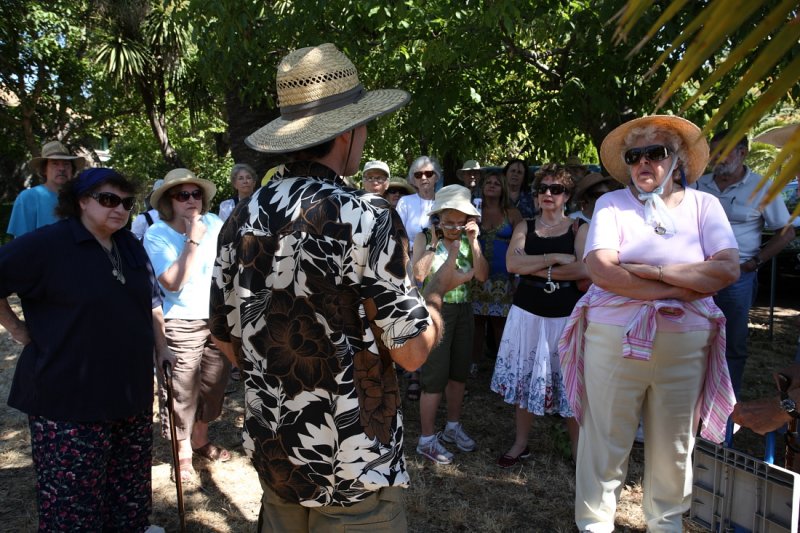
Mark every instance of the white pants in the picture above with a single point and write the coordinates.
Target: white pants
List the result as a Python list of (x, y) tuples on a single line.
[(664, 392)]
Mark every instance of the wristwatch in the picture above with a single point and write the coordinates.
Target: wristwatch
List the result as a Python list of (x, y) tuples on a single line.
[(787, 404), (430, 248)]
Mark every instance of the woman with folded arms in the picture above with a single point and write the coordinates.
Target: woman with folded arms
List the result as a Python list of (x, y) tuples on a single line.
[(542, 251), (652, 337)]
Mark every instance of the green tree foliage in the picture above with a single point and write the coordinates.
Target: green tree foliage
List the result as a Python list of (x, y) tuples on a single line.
[(489, 79), (45, 77)]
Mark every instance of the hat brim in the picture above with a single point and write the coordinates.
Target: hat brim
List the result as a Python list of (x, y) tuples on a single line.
[(697, 150), (589, 181), (282, 136), (777, 136), (209, 189), (464, 207), (405, 186), (37, 163)]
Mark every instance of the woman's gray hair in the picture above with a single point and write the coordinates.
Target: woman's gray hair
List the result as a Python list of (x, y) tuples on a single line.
[(423, 161), (242, 166), (647, 134)]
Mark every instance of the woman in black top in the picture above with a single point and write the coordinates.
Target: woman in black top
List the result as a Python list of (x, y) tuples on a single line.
[(543, 251), (85, 376)]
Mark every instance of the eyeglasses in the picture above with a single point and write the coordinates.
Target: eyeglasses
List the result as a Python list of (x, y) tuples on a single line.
[(427, 173), (376, 179), (183, 196), (394, 191), (554, 188), (654, 152), (452, 228), (111, 200)]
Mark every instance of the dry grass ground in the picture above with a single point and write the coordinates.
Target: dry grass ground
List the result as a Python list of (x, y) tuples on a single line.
[(470, 495)]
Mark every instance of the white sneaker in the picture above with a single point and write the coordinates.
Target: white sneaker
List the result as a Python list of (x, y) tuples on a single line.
[(434, 451), (458, 436)]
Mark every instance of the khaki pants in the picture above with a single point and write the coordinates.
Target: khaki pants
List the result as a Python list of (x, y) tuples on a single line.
[(664, 391), (383, 511)]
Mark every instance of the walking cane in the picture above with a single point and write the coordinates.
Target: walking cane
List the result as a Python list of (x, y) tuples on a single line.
[(176, 463)]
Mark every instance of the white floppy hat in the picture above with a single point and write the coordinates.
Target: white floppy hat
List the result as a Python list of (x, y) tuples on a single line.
[(55, 150), (179, 176), (697, 151), (320, 97), (455, 197), (377, 165)]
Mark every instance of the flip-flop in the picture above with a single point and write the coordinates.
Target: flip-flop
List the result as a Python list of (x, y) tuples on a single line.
[(213, 453)]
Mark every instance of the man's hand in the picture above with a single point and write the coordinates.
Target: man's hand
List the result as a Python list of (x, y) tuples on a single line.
[(165, 355), (762, 416)]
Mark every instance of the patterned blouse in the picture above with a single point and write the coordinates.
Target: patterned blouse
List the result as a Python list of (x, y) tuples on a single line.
[(310, 287)]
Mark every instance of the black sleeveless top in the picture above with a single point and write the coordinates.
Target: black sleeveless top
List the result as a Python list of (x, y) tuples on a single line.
[(530, 294)]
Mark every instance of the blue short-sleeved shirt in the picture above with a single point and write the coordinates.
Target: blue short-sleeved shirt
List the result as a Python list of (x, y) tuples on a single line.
[(164, 245), (32, 209), (91, 357)]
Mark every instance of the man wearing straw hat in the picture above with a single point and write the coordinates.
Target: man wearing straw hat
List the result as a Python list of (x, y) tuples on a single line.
[(35, 207), (311, 294), (736, 186)]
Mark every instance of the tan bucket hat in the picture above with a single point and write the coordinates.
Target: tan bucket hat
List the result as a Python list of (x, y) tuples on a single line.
[(55, 150), (470, 164), (179, 176), (320, 97), (590, 180), (613, 146), (400, 183), (455, 197)]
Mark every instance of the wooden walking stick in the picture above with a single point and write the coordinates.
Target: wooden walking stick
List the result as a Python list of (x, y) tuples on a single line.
[(176, 463)]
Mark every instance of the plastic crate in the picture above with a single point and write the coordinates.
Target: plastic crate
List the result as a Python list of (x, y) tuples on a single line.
[(737, 493)]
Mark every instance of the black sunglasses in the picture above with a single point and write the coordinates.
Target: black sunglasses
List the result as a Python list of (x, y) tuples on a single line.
[(183, 196), (427, 173), (395, 191), (111, 200), (654, 152), (554, 188)]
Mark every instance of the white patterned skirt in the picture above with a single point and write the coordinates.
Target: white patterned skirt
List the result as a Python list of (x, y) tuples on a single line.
[(528, 372)]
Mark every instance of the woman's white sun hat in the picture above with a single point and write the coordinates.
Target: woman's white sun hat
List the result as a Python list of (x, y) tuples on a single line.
[(320, 97), (455, 197)]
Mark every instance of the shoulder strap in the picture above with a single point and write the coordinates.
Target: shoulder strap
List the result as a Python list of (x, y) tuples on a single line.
[(148, 218)]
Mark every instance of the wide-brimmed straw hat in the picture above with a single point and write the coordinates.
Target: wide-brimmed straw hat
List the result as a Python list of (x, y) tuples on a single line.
[(55, 150), (400, 183), (470, 164), (455, 197), (320, 97), (696, 146), (179, 176), (590, 180)]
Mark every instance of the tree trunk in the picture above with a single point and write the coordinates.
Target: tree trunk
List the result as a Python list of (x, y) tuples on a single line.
[(159, 126), (242, 121)]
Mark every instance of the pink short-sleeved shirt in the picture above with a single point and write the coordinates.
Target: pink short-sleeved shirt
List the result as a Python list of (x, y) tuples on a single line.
[(702, 230)]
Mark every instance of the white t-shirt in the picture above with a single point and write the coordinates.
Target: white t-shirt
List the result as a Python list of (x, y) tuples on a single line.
[(413, 211), (140, 225)]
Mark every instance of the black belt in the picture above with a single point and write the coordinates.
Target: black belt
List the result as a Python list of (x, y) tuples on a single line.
[(545, 284)]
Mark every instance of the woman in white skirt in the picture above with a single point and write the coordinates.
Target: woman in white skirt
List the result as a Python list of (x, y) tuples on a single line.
[(542, 251)]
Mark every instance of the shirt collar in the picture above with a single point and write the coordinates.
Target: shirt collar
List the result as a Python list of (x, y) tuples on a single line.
[(312, 169)]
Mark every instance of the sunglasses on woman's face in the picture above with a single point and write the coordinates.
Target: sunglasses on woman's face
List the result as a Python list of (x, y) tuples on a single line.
[(183, 196), (394, 191), (111, 200), (654, 152), (427, 173), (554, 188)]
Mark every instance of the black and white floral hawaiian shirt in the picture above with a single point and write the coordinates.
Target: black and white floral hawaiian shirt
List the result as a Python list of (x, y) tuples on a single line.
[(310, 286)]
